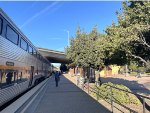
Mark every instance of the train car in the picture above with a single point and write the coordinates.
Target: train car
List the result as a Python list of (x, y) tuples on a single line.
[(21, 65)]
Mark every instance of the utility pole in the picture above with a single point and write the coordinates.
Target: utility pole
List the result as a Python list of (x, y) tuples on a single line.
[(68, 35)]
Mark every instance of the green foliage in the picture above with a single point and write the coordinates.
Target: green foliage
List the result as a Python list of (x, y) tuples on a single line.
[(83, 49), (148, 68), (131, 34), (133, 66), (142, 69), (123, 42), (118, 95)]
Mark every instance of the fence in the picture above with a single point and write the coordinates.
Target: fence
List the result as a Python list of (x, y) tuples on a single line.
[(111, 98)]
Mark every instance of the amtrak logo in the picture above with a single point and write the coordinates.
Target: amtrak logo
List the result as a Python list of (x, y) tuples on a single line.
[(10, 63)]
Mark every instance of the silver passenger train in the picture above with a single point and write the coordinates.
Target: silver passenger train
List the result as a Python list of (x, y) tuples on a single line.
[(21, 65)]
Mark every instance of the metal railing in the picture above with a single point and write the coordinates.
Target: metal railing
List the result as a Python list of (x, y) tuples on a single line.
[(111, 98)]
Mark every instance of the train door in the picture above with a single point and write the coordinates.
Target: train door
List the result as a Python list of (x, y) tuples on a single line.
[(31, 75), (1, 78)]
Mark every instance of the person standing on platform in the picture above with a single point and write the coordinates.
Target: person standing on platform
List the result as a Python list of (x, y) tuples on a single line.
[(57, 78)]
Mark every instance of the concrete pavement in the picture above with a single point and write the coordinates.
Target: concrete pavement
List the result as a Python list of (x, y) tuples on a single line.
[(66, 98), (137, 85)]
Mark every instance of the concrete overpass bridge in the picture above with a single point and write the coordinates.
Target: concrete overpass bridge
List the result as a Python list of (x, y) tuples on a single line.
[(54, 56)]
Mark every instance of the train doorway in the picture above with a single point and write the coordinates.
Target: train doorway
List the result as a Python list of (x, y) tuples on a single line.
[(31, 75)]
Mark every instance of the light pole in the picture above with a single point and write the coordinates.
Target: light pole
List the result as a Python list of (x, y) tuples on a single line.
[(68, 35)]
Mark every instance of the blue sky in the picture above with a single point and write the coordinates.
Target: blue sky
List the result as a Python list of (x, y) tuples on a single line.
[(44, 23)]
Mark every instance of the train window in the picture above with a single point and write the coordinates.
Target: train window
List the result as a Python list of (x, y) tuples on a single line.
[(30, 50), (12, 35), (1, 25), (23, 44), (34, 52), (42, 59), (3, 79), (38, 55), (0, 79), (8, 78), (20, 76)]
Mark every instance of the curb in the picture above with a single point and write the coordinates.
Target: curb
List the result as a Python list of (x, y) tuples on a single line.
[(22, 100)]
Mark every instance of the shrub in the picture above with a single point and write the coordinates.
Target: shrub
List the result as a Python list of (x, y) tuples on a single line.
[(118, 96)]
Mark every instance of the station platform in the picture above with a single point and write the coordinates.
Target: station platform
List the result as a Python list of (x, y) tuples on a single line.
[(66, 98)]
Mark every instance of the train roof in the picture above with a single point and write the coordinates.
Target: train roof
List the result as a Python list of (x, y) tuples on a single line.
[(15, 26)]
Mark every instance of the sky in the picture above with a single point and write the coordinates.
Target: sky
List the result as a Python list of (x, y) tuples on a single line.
[(48, 24)]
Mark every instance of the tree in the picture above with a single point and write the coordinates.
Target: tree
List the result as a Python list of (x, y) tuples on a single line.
[(131, 35), (83, 50), (123, 42)]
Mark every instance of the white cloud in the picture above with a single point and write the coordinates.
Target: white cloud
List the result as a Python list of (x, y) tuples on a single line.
[(39, 14)]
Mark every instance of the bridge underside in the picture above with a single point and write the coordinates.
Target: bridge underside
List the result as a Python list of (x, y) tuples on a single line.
[(57, 60), (54, 56)]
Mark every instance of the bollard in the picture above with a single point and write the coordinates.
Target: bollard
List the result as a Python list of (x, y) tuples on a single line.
[(77, 80), (111, 98), (143, 105), (97, 93), (88, 86), (98, 83), (83, 86), (82, 83)]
